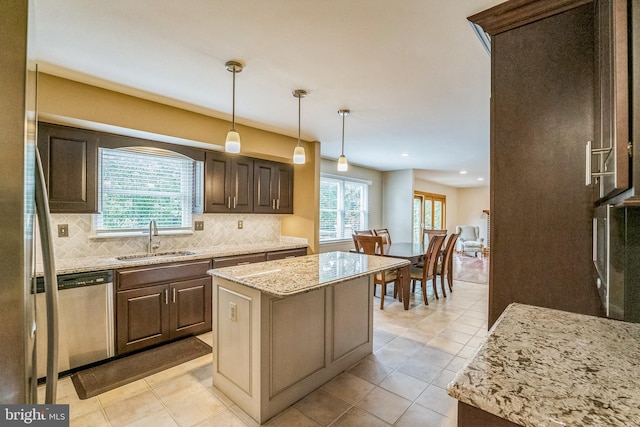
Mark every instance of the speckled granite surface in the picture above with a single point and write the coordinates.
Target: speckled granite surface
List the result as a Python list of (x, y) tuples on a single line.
[(543, 367), (296, 275), (78, 265)]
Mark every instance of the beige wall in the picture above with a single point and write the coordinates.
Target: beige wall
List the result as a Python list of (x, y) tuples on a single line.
[(70, 100), (397, 190)]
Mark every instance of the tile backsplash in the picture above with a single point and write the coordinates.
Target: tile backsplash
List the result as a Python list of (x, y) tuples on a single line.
[(219, 229)]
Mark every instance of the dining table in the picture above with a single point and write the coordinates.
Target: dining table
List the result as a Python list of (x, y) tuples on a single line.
[(414, 252)]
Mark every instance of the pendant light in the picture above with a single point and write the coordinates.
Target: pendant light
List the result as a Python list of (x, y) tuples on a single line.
[(232, 145), (298, 153), (343, 165)]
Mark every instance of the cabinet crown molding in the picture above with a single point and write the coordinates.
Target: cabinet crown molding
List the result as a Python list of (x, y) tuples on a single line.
[(516, 13)]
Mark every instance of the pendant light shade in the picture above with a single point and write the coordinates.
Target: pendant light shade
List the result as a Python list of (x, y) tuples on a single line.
[(299, 157), (232, 144), (343, 165)]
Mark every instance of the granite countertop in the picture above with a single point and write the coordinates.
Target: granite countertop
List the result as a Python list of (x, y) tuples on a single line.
[(292, 276), (543, 367), (79, 265)]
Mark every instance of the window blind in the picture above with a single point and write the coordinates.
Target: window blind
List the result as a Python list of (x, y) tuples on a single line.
[(344, 207), (136, 186)]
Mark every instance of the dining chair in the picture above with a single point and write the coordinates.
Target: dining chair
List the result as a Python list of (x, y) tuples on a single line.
[(364, 232), (384, 232), (374, 245), (428, 233), (428, 270), (445, 266)]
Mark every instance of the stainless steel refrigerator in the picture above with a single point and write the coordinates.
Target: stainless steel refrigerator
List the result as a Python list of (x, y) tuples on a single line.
[(18, 193)]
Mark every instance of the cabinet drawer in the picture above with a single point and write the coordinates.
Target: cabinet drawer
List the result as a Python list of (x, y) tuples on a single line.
[(230, 261), (290, 253), (135, 277)]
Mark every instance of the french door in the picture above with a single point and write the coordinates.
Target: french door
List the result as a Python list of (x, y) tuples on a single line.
[(428, 212)]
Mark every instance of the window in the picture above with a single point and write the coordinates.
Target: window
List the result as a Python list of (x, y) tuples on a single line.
[(344, 207), (137, 185), (428, 212)]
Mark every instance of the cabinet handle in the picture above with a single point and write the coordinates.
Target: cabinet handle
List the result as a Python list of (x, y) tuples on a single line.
[(243, 263), (229, 202), (174, 296), (273, 203), (166, 296), (234, 202), (290, 256), (587, 166), (277, 203)]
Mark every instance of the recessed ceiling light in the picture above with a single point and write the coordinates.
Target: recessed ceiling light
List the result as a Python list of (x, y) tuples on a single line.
[(480, 179), (405, 154), (463, 172)]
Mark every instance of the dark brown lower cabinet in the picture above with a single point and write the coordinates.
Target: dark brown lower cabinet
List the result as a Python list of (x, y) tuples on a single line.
[(159, 303), (155, 314)]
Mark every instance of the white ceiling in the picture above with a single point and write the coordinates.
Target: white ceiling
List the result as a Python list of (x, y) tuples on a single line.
[(412, 72)]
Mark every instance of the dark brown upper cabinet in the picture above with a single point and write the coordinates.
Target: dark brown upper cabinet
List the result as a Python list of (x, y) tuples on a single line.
[(273, 187), (543, 87), (610, 159), (70, 164), (228, 183)]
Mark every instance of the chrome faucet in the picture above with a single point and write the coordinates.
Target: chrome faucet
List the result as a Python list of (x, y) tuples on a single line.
[(153, 231)]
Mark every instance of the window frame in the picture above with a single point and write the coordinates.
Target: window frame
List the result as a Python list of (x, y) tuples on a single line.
[(340, 207), (425, 198), (195, 200)]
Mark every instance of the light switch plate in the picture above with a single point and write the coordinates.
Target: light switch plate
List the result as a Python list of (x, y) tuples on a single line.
[(240, 224), (198, 225), (233, 312), (63, 230)]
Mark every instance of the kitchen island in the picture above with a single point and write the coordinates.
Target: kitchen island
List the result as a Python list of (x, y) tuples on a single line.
[(283, 328), (544, 367)]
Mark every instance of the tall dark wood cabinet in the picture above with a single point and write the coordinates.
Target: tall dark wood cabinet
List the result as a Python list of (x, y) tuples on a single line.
[(228, 183), (70, 166), (542, 115), (273, 187)]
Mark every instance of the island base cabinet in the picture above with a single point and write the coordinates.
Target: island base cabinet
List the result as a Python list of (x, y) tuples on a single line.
[(270, 352)]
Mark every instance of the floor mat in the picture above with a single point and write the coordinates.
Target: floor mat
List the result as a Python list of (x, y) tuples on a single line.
[(116, 373)]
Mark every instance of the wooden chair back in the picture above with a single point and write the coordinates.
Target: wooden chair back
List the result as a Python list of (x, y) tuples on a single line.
[(428, 234), (370, 245), (447, 260), (364, 232), (383, 232), (431, 257)]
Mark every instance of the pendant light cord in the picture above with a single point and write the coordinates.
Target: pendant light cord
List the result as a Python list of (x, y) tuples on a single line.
[(343, 133), (299, 120), (233, 102)]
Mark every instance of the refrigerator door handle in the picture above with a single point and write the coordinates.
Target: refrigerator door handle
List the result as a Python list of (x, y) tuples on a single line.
[(50, 281)]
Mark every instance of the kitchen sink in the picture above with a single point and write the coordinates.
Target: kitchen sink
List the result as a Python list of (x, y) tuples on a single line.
[(154, 255)]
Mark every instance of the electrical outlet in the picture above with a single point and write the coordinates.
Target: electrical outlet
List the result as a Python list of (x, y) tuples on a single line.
[(199, 225), (233, 312), (240, 225), (63, 230)]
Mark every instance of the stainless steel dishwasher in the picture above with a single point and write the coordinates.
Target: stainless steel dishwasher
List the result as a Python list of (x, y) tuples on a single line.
[(86, 321)]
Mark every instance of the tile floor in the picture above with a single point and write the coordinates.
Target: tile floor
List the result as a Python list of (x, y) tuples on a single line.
[(416, 354)]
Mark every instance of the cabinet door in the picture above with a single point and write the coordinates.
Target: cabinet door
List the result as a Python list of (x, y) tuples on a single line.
[(241, 182), (142, 318), (228, 183), (216, 185), (69, 159), (541, 211), (284, 188), (289, 253), (611, 137), (273, 187), (190, 307)]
